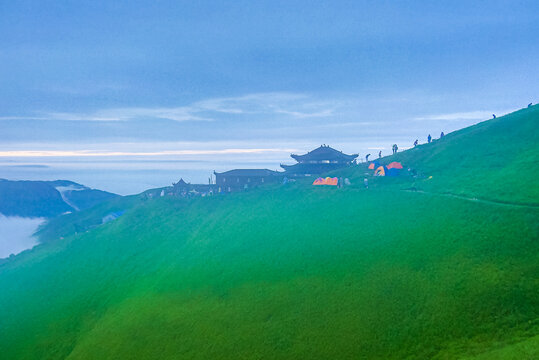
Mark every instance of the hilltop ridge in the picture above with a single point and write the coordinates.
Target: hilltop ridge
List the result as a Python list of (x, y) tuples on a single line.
[(47, 198), (296, 271)]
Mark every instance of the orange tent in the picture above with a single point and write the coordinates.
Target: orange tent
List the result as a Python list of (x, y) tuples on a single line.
[(326, 181), (371, 166), (380, 171), (394, 165)]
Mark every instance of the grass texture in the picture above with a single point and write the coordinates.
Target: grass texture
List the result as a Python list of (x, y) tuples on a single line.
[(301, 272)]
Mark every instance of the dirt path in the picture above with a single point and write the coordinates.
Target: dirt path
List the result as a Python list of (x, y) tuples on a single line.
[(492, 202)]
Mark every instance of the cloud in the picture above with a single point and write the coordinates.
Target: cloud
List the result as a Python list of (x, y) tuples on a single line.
[(303, 115), (457, 116), (126, 114), (94, 153), (292, 105), (23, 118)]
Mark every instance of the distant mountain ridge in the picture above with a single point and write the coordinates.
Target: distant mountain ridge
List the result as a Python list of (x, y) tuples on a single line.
[(47, 198)]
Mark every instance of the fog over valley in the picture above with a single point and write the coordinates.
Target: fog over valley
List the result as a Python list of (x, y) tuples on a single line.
[(16, 234)]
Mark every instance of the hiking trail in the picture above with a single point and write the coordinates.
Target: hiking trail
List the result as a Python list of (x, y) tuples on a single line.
[(474, 199)]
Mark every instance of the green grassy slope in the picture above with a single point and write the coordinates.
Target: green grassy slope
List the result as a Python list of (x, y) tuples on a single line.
[(79, 222), (292, 272), (493, 160)]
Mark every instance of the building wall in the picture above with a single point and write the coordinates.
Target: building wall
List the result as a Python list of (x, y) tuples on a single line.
[(236, 183)]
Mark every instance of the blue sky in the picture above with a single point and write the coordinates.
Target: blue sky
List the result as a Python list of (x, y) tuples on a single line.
[(129, 77)]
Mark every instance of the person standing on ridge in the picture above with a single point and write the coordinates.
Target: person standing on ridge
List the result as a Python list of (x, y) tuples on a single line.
[(416, 142), (380, 154), (493, 116), (429, 139), (442, 135), (367, 157)]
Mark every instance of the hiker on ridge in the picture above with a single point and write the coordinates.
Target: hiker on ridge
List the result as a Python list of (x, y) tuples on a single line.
[(380, 154), (442, 135), (429, 139), (493, 116), (416, 142), (367, 157)]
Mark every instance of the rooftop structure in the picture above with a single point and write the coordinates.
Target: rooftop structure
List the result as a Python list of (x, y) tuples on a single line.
[(242, 179), (183, 188), (318, 161)]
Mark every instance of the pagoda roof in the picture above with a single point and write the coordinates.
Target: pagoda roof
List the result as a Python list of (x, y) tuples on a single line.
[(249, 172), (324, 152), (181, 183)]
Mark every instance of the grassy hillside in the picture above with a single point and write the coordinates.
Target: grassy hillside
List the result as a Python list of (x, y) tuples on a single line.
[(83, 221), (294, 272), (493, 160)]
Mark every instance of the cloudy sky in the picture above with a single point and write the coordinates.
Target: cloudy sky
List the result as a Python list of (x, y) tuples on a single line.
[(189, 80)]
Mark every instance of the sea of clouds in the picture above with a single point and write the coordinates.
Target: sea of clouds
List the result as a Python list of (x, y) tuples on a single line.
[(16, 234)]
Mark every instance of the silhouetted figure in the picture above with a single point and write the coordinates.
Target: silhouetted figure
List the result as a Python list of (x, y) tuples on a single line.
[(530, 105), (416, 142), (429, 139), (367, 157), (395, 148), (442, 135), (493, 116), (380, 154)]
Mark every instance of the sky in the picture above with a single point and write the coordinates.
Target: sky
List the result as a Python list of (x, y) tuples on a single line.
[(102, 86)]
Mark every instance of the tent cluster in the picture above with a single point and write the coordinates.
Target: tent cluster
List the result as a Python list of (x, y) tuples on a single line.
[(326, 181), (393, 169)]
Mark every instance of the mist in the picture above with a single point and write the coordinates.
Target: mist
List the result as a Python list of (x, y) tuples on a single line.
[(16, 234)]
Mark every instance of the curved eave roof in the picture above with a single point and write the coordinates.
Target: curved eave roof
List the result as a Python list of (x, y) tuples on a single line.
[(324, 153)]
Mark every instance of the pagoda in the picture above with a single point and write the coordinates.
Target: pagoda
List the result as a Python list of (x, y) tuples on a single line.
[(318, 161)]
